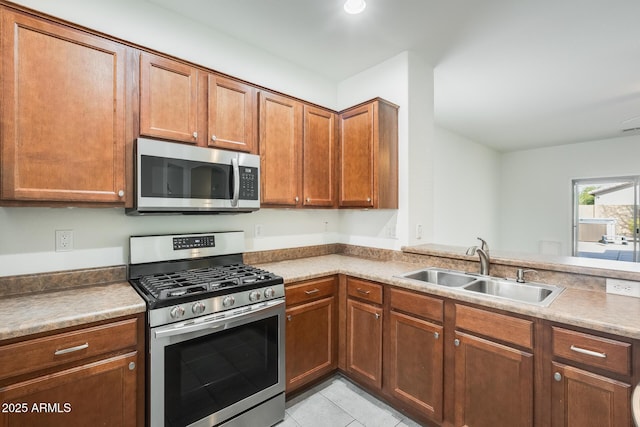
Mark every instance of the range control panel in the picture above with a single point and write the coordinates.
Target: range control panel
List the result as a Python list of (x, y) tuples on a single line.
[(194, 242)]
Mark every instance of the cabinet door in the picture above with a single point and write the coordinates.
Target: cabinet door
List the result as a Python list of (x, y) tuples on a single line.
[(310, 341), (101, 393), (356, 157), (63, 113), (168, 99), (583, 399), (364, 342), (416, 363), (319, 167), (231, 114), (280, 151), (493, 384)]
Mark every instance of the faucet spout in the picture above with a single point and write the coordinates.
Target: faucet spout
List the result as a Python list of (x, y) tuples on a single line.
[(483, 254)]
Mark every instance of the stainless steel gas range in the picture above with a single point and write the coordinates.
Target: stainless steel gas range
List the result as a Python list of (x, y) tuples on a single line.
[(215, 331)]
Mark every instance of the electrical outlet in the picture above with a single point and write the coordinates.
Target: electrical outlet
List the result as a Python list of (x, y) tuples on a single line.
[(257, 230), (391, 231), (64, 240), (623, 287), (418, 231)]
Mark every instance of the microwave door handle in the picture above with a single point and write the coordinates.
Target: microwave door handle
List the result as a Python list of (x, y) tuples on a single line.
[(236, 182)]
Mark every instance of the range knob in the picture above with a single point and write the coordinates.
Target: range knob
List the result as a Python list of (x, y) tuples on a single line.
[(228, 301), (176, 312), (269, 293), (254, 296), (198, 307)]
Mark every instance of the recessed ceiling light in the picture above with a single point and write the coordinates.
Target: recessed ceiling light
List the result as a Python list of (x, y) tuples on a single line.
[(354, 6)]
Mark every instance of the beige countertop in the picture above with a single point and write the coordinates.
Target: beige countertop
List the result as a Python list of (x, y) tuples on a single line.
[(37, 312), (32, 313), (592, 309)]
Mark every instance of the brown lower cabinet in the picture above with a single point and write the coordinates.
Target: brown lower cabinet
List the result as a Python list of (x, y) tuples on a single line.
[(311, 331), (364, 332), (446, 363), (590, 379), (92, 376), (414, 352)]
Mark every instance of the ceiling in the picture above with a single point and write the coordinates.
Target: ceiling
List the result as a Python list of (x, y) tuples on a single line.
[(510, 74)]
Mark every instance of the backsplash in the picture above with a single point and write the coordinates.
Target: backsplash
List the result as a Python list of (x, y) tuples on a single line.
[(587, 279)]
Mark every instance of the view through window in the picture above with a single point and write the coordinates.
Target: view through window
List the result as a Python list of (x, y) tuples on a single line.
[(606, 216)]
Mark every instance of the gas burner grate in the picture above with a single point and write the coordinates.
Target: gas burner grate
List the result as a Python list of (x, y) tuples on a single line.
[(208, 279)]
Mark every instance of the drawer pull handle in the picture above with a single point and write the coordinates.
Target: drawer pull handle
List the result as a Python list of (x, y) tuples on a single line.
[(71, 349), (588, 352), (363, 292), (312, 291)]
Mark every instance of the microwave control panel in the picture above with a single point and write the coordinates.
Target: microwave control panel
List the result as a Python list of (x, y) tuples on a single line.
[(249, 183)]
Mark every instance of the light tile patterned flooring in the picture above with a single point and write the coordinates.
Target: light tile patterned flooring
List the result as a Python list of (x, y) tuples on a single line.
[(339, 403)]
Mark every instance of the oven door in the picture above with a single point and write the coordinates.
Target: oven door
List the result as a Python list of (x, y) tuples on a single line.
[(208, 370)]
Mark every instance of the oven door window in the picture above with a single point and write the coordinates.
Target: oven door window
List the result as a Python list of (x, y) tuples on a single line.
[(185, 179), (207, 374)]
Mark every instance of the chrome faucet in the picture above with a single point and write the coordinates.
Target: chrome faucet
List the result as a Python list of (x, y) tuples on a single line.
[(483, 254)]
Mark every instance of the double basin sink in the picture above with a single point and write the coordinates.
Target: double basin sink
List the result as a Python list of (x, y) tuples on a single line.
[(531, 293)]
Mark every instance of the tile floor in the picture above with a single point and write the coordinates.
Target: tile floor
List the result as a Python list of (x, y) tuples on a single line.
[(339, 403)]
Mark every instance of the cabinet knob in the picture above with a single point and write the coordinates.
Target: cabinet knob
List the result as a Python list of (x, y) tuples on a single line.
[(195, 135), (368, 199), (456, 342), (436, 335), (121, 193), (297, 199), (213, 137), (132, 366), (289, 317), (377, 316), (308, 199), (557, 376)]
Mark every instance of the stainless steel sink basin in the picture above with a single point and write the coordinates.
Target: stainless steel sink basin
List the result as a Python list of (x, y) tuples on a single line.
[(440, 277), (531, 293)]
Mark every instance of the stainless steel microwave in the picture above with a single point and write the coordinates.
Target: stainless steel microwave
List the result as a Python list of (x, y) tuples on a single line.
[(178, 178)]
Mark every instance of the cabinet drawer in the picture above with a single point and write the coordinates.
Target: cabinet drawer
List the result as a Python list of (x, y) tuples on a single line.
[(612, 355), (416, 304), (364, 290), (310, 290), (499, 326), (42, 353)]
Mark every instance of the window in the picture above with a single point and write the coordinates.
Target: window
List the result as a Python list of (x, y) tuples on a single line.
[(605, 220)]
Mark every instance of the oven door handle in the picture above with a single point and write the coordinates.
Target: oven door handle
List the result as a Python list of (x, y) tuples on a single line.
[(213, 323)]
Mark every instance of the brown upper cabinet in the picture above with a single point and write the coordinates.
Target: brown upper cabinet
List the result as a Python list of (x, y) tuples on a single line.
[(168, 99), (319, 176), (369, 156), (63, 113), (280, 150), (232, 109), (298, 152), (181, 103)]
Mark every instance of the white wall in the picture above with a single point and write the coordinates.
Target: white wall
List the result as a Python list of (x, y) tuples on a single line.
[(536, 192), (466, 200)]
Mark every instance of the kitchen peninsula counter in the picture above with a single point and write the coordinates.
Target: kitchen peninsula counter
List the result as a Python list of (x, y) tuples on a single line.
[(585, 307)]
